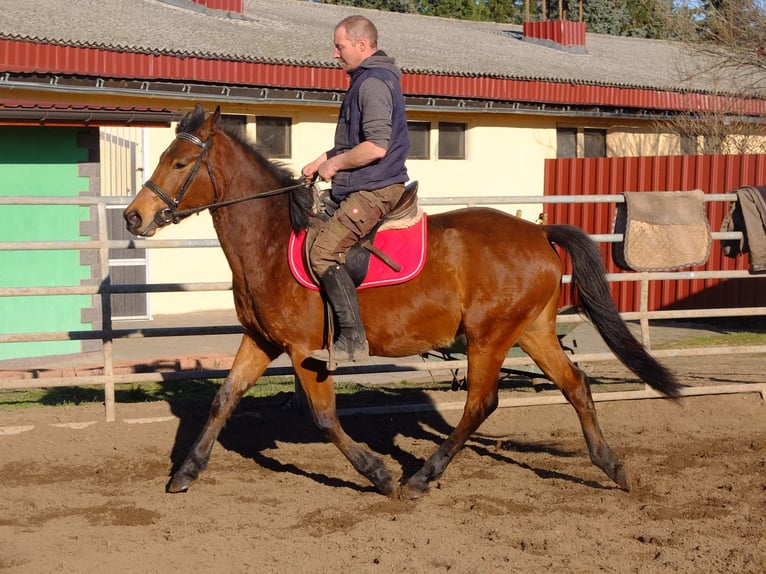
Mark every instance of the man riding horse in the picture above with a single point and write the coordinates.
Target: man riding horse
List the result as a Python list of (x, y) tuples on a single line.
[(367, 169)]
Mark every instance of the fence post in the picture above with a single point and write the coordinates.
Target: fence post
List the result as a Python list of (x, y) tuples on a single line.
[(106, 310), (644, 310)]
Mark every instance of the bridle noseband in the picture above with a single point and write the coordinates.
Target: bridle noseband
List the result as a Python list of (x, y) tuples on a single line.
[(171, 214)]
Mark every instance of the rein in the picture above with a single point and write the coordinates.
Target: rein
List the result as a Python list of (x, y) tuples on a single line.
[(171, 214)]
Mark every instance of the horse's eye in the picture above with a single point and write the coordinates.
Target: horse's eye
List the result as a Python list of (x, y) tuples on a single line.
[(179, 165)]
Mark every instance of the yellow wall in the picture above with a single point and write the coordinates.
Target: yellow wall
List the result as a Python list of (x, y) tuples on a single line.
[(499, 162)]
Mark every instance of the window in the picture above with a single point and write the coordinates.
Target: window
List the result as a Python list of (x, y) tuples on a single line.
[(595, 143), (272, 134), (420, 140), (451, 140), (566, 142), (580, 142), (689, 144), (234, 123)]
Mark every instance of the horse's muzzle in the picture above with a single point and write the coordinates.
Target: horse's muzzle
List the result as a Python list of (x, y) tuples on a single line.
[(134, 223)]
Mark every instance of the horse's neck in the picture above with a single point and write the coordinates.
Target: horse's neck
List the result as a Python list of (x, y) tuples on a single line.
[(255, 232)]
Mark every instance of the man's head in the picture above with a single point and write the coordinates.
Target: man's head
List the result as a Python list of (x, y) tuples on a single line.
[(356, 38)]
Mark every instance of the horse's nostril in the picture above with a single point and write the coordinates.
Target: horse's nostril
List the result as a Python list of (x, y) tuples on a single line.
[(133, 219)]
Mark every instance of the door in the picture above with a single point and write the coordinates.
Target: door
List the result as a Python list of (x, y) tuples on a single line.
[(122, 174)]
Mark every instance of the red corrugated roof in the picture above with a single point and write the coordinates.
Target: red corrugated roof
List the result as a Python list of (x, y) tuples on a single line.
[(30, 57)]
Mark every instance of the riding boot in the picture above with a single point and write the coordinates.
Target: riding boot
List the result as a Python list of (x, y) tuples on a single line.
[(351, 344)]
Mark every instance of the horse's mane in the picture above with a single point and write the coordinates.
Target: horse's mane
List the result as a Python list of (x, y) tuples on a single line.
[(301, 199)]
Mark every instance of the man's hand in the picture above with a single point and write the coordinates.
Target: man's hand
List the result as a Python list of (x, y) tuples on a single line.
[(311, 171), (363, 154)]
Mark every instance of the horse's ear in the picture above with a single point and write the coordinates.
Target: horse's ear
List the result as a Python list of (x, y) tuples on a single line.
[(211, 125), (192, 120)]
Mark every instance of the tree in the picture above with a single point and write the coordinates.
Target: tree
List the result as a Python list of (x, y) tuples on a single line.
[(735, 36), (642, 18), (459, 9), (727, 39), (405, 6), (648, 19), (601, 16), (509, 11)]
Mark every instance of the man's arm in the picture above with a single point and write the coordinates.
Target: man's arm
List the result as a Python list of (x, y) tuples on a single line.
[(363, 154)]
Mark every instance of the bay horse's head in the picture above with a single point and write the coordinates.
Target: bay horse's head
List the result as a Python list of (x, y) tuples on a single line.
[(179, 183)]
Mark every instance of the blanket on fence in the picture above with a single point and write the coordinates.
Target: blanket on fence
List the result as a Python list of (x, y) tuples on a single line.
[(662, 231), (748, 215)]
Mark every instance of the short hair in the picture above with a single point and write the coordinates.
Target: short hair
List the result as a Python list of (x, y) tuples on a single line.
[(358, 27)]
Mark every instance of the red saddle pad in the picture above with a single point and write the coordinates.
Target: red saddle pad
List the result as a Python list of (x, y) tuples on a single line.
[(406, 247)]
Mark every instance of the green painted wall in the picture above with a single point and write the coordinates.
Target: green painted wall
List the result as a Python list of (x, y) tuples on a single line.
[(41, 161)]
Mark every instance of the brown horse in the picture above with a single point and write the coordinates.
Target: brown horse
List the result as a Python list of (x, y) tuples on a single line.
[(489, 276)]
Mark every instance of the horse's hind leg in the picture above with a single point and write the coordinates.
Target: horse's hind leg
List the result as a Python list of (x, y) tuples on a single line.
[(249, 364), (542, 345), (321, 399), (483, 372)]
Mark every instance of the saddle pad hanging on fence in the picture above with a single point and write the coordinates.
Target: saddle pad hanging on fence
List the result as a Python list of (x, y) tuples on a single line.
[(663, 231)]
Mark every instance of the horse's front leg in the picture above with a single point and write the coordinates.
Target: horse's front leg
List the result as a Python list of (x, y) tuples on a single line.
[(249, 364), (321, 400)]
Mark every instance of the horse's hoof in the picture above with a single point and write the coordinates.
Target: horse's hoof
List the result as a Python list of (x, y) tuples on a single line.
[(412, 491), (383, 482), (388, 489), (179, 483), (619, 476), (621, 479)]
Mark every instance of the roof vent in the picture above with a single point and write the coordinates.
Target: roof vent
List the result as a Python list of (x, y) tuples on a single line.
[(236, 6), (562, 34)]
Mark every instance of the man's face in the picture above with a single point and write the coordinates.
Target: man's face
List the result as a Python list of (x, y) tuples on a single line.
[(348, 53)]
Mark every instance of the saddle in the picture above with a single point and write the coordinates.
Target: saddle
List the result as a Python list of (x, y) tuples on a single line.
[(398, 242), (403, 215)]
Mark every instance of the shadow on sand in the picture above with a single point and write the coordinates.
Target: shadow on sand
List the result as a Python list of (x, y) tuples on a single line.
[(259, 424)]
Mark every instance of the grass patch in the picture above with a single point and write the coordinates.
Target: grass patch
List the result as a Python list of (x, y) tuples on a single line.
[(733, 339), (202, 390)]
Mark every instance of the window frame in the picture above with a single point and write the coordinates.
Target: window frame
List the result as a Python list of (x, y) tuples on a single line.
[(584, 142), (459, 128), (414, 153), (569, 134), (284, 124), (588, 142)]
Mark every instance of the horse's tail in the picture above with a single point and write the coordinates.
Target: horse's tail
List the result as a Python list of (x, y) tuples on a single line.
[(589, 277)]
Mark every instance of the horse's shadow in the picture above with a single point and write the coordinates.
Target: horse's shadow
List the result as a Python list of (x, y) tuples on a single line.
[(258, 425)]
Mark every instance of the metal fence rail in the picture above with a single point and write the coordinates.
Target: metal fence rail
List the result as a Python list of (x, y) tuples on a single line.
[(107, 334)]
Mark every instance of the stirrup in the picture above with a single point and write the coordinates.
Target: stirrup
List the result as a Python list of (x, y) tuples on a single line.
[(339, 353)]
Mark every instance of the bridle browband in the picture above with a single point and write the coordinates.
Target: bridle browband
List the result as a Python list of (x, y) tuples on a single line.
[(171, 214)]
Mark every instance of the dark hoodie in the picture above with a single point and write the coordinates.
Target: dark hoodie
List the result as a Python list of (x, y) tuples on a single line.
[(390, 168)]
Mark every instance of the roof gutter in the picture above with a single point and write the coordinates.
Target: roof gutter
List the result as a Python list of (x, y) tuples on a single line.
[(177, 97), (55, 115)]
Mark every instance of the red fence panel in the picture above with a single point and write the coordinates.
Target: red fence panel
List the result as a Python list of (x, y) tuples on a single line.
[(613, 175)]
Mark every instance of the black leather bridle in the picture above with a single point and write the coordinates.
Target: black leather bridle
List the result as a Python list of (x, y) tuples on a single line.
[(171, 214)]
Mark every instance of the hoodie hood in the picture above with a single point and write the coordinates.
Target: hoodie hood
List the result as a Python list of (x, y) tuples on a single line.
[(380, 60)]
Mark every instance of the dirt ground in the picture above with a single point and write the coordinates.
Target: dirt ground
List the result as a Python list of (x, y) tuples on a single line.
[(521, 497)]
